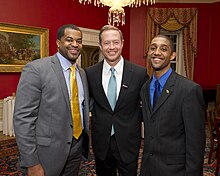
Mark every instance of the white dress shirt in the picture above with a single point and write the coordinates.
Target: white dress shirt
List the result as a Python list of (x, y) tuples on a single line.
[(106, 74)]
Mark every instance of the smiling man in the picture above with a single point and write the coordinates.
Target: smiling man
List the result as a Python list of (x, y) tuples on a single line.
[(114, 85), (173, 114), (52, 97)]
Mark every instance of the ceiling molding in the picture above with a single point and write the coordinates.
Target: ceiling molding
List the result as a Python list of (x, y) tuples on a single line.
[(187, 1)]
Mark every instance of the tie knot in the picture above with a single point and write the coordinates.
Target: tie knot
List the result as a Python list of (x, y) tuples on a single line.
[(73, 68), (112, 71)]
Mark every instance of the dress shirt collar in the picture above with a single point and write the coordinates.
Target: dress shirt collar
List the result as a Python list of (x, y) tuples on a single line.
[(64, 62), (118, 68), (162, 80)]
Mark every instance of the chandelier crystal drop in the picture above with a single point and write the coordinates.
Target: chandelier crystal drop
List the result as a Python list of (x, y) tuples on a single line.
[(116, 14)]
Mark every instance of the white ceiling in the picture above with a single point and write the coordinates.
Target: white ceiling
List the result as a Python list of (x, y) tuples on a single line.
[(187, 1)]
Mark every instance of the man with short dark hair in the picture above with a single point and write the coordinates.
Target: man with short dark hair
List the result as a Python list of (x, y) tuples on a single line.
[(51, 115), (173, 114)]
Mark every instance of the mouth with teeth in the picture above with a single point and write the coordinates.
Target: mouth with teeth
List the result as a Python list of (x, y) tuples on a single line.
[(73, 51), (112, 53), (157, 60)]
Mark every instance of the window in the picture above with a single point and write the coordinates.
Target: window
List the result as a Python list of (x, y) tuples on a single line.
[(178, 63)]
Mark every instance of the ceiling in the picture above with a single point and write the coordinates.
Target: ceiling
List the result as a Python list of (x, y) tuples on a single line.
[(187, 1)]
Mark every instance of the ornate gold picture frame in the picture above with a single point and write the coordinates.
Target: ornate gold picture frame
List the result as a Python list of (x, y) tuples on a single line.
[(21, 44)]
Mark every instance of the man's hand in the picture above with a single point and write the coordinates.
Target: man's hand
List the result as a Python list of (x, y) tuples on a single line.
[(36, 170)]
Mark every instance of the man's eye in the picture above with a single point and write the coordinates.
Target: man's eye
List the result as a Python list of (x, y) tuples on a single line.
[(106, 43), (163, 49), (79, 41), (69, 40), (152, 48)]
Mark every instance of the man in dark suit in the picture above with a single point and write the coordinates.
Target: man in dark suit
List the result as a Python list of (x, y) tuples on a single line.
[(115, 126), (44, 115), (173, 114)]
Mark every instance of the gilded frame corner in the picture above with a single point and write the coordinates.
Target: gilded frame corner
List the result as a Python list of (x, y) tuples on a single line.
[(21, 44)]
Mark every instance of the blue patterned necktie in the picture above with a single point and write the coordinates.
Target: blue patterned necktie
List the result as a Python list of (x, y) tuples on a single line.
[(156, 92), (112, 93)]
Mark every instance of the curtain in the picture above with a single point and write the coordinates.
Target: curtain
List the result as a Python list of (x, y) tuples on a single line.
[(173, 19)]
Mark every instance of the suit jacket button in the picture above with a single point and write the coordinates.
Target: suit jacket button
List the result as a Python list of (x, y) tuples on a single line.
[(68, 142), (71, 126), (151, 154), (151, 137)]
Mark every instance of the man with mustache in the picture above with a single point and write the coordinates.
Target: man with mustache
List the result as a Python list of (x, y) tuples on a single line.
[(51, 116), (173, 114)]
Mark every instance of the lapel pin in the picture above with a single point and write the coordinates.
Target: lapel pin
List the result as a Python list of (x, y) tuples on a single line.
[(167, 91), (125, 86)]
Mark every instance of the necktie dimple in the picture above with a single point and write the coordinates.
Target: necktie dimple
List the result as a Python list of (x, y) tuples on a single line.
[(156, 92), (112, 92), (77, 124)]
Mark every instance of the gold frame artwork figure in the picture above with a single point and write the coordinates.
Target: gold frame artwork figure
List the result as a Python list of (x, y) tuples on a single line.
[(20, 45)]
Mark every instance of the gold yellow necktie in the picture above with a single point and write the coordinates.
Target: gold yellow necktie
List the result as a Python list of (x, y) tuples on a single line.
[(77, 124)]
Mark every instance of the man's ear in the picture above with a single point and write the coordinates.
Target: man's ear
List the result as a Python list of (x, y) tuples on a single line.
[(122, 42), (100, 46), (173, 55), (58, 43)]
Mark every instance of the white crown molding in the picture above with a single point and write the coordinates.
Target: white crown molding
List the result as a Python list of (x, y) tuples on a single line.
[(90, 37), (187, 1)]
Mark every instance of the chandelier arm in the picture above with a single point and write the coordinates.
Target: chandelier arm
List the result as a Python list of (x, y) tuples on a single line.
[(116, 14)]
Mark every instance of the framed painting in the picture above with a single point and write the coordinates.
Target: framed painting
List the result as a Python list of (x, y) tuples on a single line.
[(20, 45)]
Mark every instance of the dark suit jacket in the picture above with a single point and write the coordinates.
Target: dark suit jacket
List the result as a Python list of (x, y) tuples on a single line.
[(125, 117), (174, 137), (42, 115)]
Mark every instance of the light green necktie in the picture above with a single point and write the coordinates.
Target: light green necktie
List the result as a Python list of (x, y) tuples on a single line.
[(112, 93)]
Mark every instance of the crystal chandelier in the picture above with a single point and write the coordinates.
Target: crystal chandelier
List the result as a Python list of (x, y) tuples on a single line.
[(116, 13)]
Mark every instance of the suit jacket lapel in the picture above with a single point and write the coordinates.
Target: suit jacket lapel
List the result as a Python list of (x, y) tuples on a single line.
[(84, 81), (98, 79), (125, 83), (146, 97), (167, 91), (98, 75), (59, 73)]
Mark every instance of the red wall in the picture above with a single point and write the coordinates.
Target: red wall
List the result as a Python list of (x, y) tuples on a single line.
[(207, 61), (214, 56), (51, 15)]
